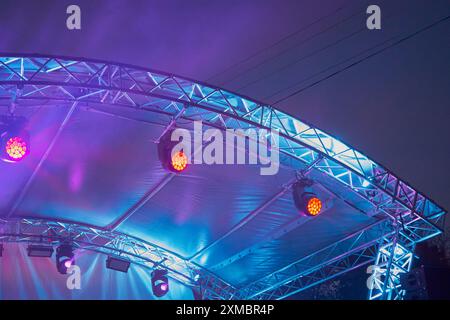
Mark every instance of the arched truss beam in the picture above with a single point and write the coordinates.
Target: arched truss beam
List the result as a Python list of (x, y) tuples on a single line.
[(92, 81)]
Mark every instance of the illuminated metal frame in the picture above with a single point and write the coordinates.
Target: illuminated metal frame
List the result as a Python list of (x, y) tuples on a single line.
[(353, 251), (92, 238), (92, 82), (394, 257)]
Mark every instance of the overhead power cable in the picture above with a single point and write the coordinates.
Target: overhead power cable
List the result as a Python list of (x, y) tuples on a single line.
[(294, 46), (312, 54), (401, 40), (291, 35)]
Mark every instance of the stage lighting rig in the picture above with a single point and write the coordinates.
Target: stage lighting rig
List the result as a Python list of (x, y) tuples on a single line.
[(172, 160), (118, 264), (305, 200), (160, 282), (64, 258), (40, 251), (14, 139)]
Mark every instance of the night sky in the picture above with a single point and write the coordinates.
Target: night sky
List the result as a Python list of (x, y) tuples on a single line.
[(393, 107)]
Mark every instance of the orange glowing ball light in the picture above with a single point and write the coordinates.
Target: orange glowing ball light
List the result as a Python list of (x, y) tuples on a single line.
[(16, 148), (314, 206), (179, 161)]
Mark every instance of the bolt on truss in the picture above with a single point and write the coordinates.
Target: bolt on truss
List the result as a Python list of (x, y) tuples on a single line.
[(94, 83)]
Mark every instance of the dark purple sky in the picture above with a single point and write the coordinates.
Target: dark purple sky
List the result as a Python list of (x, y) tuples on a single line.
[(394, 107)]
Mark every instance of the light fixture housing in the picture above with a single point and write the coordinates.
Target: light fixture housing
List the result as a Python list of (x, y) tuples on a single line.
[(14, 139), (313, 204), (40, 251), (306, 201), (160, 282), (118, 264), (171, 160), (64, 258)]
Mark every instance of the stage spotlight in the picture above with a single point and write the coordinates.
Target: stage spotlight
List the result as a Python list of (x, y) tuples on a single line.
[(15, 140), (40, 251), (174, 161), (117, 264), (160, 282), (314, 205), (305, 201), (64, 258), (16, 148), (179, 161)]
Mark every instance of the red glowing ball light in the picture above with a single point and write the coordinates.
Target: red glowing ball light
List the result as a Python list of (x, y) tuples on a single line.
[(179, 161), (314, 206), (16, 148)]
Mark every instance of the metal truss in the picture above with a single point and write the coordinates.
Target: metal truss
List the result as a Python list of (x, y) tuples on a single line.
[(99, 82), (34, 79), (395, 257), (373, 246), (355, 250), (353, 260), (85, 237)]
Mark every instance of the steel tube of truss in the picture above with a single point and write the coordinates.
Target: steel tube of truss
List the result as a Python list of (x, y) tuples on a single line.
[(283, 276), (336, 252), (339, 267), (136, 82)]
